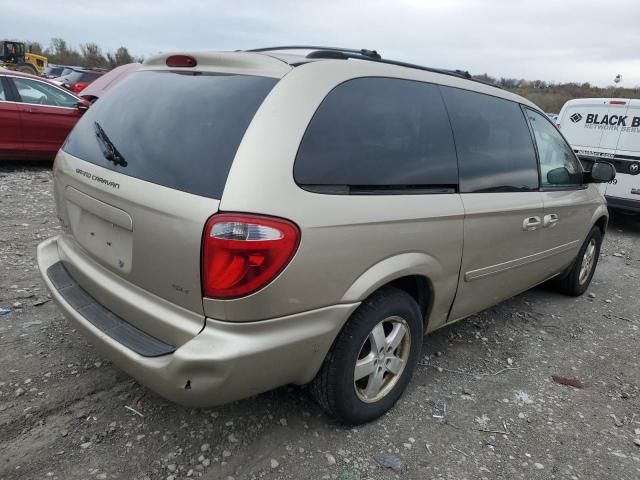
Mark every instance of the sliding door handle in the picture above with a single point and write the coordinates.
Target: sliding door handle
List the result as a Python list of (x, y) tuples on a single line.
[(531, 223), (550, 220)]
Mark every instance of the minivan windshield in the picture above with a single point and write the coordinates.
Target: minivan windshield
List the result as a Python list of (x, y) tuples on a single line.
[(176, 129)]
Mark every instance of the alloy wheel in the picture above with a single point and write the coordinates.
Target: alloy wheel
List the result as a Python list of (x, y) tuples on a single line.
[(382, 359), (588, 261)]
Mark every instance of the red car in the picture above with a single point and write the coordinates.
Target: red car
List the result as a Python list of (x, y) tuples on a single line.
[(35, 116), (98, 88)]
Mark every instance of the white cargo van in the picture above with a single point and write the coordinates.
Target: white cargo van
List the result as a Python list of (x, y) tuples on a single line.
[(607, 129)]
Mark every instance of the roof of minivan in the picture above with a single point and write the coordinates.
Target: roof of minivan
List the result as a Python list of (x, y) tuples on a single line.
[(277, 65)]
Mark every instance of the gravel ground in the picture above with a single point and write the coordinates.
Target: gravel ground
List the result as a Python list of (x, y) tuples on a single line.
[(483, 403)]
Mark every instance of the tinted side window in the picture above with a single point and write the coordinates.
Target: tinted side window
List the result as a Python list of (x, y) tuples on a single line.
[(2, 94), (73, 76), (38, 93), (379, 132), (89, 77), (54, 71), (495, 149), (558, 164)]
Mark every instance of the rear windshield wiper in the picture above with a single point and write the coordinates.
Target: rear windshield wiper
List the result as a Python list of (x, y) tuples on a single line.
[(109, 151)]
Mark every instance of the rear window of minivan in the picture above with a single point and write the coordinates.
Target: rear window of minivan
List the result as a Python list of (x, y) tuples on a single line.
[(179, 130)]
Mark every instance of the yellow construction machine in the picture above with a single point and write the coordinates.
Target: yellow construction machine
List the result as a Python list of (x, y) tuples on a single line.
[(14, 56)]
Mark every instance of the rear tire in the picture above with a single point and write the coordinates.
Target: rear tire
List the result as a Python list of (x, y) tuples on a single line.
[(578, 279), (26, 68), (380, 344)]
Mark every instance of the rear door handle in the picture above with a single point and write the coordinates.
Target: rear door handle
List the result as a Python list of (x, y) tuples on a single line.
[(531, 223), (550, 220)]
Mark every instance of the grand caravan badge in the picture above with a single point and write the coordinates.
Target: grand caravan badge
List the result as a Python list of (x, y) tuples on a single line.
[(97, 178)]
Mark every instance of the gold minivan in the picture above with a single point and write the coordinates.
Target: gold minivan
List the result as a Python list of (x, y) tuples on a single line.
[(237, 221)]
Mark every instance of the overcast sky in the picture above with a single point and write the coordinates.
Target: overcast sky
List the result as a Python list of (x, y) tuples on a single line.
[(559, 40)]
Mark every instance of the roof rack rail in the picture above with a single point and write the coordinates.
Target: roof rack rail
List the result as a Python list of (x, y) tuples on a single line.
[(369, 55), (372, 54)]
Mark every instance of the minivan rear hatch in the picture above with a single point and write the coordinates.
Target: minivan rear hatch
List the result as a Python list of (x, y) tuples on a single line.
[(145, 168)]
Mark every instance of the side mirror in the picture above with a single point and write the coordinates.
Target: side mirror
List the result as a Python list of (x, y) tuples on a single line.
[(82, 106), (559, 176), (602, 172)]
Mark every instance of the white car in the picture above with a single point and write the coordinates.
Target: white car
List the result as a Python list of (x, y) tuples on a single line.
[(607, 129)]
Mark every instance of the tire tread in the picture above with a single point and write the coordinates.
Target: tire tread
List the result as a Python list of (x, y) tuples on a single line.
[(323, 386), (569, 283)]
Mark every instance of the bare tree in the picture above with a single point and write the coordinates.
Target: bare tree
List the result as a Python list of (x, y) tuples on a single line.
[(123, 56), (60, 53), (35, 47), (92, 55)]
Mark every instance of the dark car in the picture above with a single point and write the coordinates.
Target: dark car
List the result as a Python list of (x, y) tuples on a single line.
[(53, 71), (35, 116), (78, 79)]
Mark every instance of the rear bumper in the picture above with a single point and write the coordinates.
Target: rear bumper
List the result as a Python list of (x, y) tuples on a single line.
[(627, 204), (226, 361)]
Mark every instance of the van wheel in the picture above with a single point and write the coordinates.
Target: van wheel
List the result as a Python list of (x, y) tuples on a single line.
[(373, 358), (577, 280)]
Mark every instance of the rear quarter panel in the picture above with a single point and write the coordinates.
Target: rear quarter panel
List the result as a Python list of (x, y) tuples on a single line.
[(350, 245)]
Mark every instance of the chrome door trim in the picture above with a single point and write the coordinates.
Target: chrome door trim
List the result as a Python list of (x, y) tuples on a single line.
[(518, 262), (36, 105)]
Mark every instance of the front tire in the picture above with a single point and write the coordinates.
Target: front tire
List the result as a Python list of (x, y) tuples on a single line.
[(373, 358), (578, 279)]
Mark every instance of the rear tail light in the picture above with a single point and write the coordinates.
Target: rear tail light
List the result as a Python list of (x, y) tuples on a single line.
[(617, 102), (78, 87), (243, 253)]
